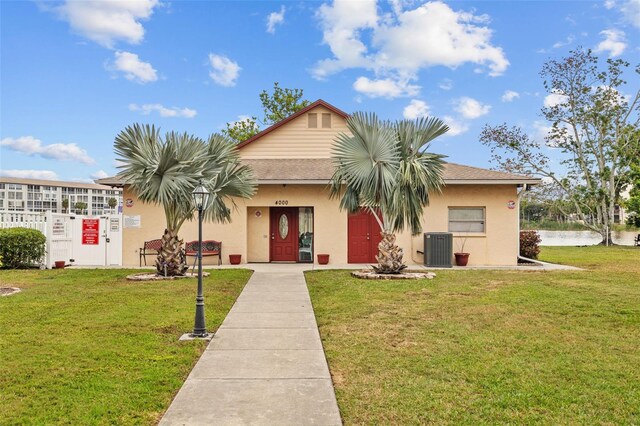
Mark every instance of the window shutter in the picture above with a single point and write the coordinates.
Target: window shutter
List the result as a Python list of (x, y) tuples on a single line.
[(313, 121), (326, 121)]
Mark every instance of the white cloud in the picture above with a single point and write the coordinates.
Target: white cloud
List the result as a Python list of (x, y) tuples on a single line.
[(30, 174), (471, 108), (108, 21), (224, 71), (509, 96), (455, 127), (341, 24), (446, 84), (100, 174), (275, 18), (553, 99), (416, 109), (405, 41), (631, 11), (31, 146), (609, 4), (614, 42), (541, 130), (147, 109), (240, 119), (385, 88), (570, 39), (133, 68)]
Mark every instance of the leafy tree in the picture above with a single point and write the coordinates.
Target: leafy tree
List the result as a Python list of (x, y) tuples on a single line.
[(242, 130), (166, 170), (281, 104), (65, 204), (385, 168), (277, 106), (593, 124), (112, 203), (81, 207)]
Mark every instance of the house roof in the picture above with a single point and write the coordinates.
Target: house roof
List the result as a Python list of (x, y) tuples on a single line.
[(43, 182), (320, 171), (280, 123)]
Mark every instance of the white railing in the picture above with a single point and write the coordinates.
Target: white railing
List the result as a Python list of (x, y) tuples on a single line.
[(23, 220)]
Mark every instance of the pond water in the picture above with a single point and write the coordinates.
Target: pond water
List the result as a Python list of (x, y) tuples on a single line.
[(583, 238)]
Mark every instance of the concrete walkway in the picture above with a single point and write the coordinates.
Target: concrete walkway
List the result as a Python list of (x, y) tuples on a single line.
[(265, 365)]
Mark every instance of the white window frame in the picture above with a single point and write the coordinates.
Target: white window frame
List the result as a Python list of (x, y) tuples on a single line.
[(483, 221)]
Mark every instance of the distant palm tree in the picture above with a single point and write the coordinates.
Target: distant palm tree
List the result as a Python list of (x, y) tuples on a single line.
[(166, 172), (385, 168)]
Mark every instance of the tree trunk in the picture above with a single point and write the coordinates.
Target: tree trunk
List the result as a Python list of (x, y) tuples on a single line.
[(389, 255), (606, 237), (171, 259)]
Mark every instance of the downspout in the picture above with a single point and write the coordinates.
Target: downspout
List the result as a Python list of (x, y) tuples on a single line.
[(520, 195)]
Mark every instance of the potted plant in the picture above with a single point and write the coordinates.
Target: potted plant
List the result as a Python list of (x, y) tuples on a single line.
[(235, 259), (462, 257), (323, 259)]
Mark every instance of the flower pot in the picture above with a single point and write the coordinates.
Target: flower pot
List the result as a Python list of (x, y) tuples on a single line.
[(59, 264), (461, 258), (323, 259), (235, 259)]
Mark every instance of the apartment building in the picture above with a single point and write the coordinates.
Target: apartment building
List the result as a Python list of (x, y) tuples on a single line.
[(37, 195)]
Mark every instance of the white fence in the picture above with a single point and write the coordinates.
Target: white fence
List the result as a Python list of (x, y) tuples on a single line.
[(74, 239), (23, 220)]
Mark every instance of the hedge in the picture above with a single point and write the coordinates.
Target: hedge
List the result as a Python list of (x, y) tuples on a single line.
[(21, 247), (529, 244)]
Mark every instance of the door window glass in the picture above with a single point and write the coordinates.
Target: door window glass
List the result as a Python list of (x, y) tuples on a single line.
[(305, 234), (283, 226)]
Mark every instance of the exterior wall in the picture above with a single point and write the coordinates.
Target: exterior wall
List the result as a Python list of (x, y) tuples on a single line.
[(330, 225), (499, 244), (296, 140), (248, 234)]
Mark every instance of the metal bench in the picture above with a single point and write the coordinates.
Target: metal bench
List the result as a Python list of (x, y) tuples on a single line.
[(209, 248), (636, 241), (151, 247)]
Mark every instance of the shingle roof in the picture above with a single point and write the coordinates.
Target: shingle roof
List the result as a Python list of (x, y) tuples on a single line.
[(320, 170)]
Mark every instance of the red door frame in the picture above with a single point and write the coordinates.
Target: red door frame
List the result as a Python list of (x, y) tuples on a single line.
[(290, 242), (363, 237)]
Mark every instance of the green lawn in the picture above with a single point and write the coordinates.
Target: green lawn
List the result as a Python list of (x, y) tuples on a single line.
[(488, 347), (89, 347)]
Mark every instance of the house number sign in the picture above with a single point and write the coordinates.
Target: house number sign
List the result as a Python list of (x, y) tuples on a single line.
[(282, 202)]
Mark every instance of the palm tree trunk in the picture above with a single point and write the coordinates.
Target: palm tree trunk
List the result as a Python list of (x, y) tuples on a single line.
[(171, 259), (389, 255)]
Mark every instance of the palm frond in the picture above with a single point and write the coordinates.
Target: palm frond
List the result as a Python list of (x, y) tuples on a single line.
[(165, 171)]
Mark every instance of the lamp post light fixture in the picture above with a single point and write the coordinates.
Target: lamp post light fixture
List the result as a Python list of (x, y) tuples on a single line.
[(200, 197)]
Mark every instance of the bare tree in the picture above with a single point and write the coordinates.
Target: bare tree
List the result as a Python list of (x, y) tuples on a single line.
[(594, 124)]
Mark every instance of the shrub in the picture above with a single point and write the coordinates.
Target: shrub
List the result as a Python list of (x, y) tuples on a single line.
[(21, 247), (529, 244)]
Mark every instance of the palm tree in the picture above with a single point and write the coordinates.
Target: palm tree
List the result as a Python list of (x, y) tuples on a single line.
[(166, 172), (384, 167)]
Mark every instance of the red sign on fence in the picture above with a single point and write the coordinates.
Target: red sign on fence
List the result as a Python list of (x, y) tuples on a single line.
[(90, 231)]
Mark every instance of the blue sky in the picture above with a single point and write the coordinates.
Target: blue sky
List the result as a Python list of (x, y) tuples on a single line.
[(73, 74)]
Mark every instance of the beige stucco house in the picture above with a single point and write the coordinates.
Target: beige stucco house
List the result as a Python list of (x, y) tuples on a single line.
[(292, 219)]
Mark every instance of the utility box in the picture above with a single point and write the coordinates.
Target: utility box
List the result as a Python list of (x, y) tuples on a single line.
[(438, 249)]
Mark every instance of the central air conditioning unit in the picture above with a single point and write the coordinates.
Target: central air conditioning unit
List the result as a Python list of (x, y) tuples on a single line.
[(438, 249)]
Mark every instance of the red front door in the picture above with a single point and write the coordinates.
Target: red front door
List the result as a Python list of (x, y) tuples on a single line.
[(364, 237), (284, 234)]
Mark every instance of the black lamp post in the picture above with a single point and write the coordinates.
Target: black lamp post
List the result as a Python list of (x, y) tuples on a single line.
[(200, 197)]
